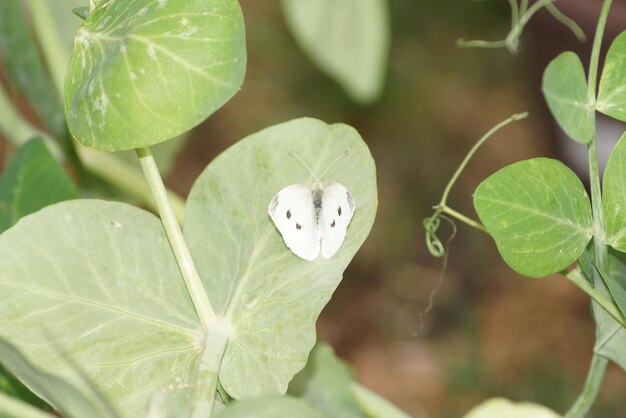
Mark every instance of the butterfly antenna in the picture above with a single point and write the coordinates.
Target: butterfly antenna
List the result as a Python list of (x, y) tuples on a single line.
[(339, 157), (297, 157)]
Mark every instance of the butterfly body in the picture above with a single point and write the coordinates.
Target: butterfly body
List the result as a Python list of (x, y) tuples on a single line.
[(312, 220)]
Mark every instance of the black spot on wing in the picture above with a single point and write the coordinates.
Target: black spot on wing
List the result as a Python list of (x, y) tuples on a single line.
[(339, 211), (298, 226), (288, 214), (333, 224)]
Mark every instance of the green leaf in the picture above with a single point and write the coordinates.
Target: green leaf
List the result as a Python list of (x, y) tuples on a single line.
[(501, 408), (61, 394), (614, 196), (271, 407), (27, 73), (565, 90), (539, 214), (99, 280), (616, 287), (32, 180), (271, 297), (347, 39), (612, 93), (326, 383), (146, 71), (610, 334)]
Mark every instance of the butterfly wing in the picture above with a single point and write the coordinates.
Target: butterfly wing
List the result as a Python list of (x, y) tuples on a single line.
[(293, 213), (337, 210)]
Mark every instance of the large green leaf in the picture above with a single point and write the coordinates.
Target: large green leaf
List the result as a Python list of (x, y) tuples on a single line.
[(64, 396), (539, 214), (612, 94), (503, 408), (271, 407), (610, 334), (348, 39), (565, 90), (614, 196), (271, 297), (32, 180), (326, 383), (145, 71), (27, 72), (99, 280)]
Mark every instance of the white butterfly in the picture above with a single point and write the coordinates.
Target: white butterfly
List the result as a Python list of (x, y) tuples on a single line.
[(312, 219)]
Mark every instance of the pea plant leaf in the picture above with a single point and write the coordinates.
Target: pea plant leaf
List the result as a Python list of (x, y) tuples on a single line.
[(500, 407), (610, 334), (326, 383), (271, 407), (270, 297), (539, 214), (145, 71), (32, 180), (565, 89), (99, 281), (61, 394), (614, 196), (347, 39), (612, 92)]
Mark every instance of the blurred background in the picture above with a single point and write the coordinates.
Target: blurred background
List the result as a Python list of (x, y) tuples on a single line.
[(491, 332)]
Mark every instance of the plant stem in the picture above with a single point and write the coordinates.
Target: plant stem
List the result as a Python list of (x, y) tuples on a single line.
[(459, 216), (577, 277), (14, 408), (374, 405), (55, 53), (470, 154), (206, 383), (585, 400), (175, 236), (19, 131), (598, 364)]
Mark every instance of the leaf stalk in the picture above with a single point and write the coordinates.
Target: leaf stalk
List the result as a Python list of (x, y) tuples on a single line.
[(196, 290)]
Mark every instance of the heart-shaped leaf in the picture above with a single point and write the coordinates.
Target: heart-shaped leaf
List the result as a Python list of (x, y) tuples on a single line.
[(565, 89), (348, 39), (612, 93), (539, 214), (144, 71), (271, 297), (99, 281)]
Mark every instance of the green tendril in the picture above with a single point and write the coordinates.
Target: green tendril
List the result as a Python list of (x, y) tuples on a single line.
[(520, 15)]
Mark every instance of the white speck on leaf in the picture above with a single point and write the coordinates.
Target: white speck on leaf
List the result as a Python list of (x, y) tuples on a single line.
[(67, 217), (133, 76), (100, 104), (162, 4), (189, 31), (151, 52), (142, 11), (142, 71), (89, 120), (114, 224)]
